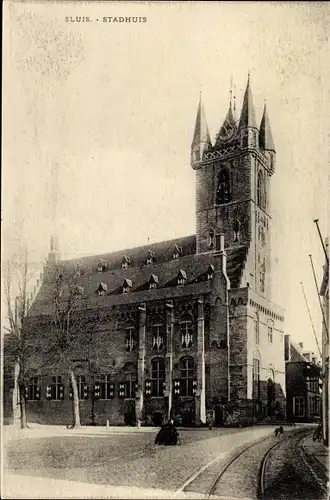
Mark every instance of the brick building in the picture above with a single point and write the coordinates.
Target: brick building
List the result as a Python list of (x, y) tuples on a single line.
[(303, 384), (187, 325)]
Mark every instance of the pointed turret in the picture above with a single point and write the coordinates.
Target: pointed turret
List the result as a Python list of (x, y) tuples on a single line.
[(201, 140), (266, 141), (248, 116)]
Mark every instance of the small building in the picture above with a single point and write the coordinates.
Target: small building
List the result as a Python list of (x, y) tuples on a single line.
[(303, 385)]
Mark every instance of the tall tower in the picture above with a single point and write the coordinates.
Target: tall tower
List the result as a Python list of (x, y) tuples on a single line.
[(232, 189)]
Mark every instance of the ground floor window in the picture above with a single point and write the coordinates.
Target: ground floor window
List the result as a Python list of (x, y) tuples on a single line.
[(105, 386), (299, 406), (187, 382), (33, 389), (57, 388), (157, 377), (81, 386)]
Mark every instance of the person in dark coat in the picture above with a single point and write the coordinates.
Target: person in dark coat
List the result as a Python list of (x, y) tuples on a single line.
[(167, 435)]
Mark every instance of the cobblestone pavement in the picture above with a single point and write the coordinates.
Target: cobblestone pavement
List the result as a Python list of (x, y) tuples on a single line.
[(120, 460)]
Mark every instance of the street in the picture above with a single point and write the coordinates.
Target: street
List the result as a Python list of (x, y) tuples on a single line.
[(98, 463)]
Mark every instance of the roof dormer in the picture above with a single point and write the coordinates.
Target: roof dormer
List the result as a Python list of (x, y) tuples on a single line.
[(127, 285), (182, 277), (153, 282), (177, 253), (151, 258), (125, 262), (210, 272), (101, 289), (102, 266)]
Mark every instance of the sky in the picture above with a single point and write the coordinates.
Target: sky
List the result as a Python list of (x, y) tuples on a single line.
[(99, 118)]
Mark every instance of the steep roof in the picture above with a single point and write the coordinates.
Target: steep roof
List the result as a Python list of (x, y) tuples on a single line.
[(265, 135), (164, 267), (201, 133), (248, 116)]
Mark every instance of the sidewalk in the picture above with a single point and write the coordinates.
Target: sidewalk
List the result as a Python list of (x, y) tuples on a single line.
[(37, 430), (317, 455)]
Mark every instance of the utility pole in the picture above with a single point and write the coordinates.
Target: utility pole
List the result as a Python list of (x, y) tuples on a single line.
[(310, 317), (318, 295)]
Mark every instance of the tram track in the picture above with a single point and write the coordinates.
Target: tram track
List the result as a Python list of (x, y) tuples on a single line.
[(215, 482)]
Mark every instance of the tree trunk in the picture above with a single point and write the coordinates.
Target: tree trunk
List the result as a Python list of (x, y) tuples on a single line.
[(75, 400), (22, 404)]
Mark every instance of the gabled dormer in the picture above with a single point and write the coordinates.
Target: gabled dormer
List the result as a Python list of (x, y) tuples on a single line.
[(181, 278), (125, 262), (101, 289), (151, 258), (102, 266), (127, 285), (153, 282), (177, 252), (210, 272)]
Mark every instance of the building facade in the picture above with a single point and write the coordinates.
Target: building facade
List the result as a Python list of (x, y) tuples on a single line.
[(303, 384), (324, 292), (185, 326)]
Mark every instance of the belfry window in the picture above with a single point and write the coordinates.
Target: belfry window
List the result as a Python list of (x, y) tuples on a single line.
[(223, 189), (261, 193), (257, 328)]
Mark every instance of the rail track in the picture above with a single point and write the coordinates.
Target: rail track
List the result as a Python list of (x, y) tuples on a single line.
[(217, 483)]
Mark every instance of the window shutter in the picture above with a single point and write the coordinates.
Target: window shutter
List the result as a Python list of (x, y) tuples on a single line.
[(148, 388), (136, 387), (111, 391), (49, 392), (71, 392), (85, 392), (122, 390), (26, 392), (194, 387), (97, 390), (177, 388), (62, 391), (38, 392), (164, 387)]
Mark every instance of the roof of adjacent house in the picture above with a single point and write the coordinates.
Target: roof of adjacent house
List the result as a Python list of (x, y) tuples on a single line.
[(163, 266)]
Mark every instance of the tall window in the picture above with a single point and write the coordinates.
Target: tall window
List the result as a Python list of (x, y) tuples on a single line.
[(270, 331), (187, 371), (299, 406), (130, 338), (81, 386), (186, 330), (57, 388), (33, 390), (158, 336), (257, 328), (223, 189), (260, 191), (157, 377), (211, 238), (256, 378), (106, 387), (262, 276), (130, 386)]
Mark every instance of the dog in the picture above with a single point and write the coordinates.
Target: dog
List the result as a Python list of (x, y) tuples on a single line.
[(279, 431)]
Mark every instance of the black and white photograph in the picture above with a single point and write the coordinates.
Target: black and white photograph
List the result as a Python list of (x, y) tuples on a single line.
[(165, 250)]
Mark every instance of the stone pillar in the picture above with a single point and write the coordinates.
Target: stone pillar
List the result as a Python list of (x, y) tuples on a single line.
[(139, 403), (169, 356), (200, 393)]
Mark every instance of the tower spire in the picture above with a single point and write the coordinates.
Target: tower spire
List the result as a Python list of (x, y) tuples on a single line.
[(248, 117), (265, 135), (201, 139)]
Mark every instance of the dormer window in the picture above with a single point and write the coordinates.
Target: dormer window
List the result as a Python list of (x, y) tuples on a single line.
[(101, 289), (102, 266), (153, 282), (126, 261), (177, 252), (182, 277), (210, 272), (127, 286), (150, 258)]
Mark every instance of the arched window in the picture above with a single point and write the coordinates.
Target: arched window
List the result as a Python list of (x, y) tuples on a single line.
[(260, 191), (270, 331), (157, 377), (256, 376), (257, 328), (186, 330), (130, 338), (158, 336), (187, 375), (211, 238), (223, 188)]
